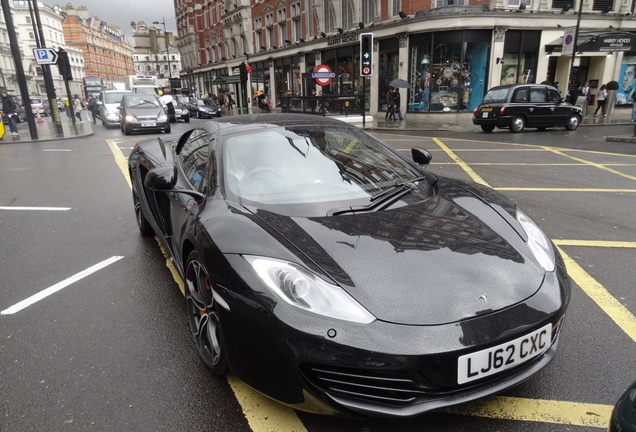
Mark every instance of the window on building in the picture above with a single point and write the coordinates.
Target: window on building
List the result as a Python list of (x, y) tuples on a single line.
[(560, 4), (368, 11), (297, 29), (31, 35), (347, 14), (330, 16), (443, 3), (516, 3), (397, 7), (603, 5), (270, 37), (28, 20)]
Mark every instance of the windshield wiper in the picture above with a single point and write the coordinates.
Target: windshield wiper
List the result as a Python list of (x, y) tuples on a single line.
[(382, 199)]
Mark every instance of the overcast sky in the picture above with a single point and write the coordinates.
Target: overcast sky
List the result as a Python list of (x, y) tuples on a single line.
[(122, 12)]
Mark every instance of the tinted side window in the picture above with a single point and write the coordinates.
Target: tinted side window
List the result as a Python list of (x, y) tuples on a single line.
[(537, 95), (521, 95), (194, 157), (554, 96)]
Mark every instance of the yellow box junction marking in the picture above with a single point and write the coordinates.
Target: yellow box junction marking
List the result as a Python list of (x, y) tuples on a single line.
[(265, 415)]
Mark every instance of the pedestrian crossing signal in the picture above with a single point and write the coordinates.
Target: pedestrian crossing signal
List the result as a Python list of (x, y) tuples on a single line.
[(366, 54)]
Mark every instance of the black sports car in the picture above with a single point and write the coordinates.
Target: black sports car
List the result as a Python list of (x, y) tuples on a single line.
[(335, 275)]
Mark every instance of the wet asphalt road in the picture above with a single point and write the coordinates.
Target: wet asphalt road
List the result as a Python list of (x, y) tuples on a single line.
[(112, 351)]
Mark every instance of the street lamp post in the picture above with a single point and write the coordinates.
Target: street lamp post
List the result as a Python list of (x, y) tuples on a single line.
[(165, 38)]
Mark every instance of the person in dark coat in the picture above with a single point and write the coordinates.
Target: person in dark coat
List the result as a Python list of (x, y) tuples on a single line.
[(9, 109), (94, 108)]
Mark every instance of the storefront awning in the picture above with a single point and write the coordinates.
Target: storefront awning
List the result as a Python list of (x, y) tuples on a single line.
[(598, 42), (228, 79)]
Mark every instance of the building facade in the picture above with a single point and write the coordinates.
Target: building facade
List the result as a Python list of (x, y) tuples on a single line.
[(155, 53), (107, 52), (450, 51)]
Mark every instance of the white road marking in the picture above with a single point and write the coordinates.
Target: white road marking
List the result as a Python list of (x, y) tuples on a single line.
[(58, 286), (35, 208)]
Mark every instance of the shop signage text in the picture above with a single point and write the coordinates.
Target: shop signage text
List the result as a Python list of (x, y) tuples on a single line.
[(343, 40)]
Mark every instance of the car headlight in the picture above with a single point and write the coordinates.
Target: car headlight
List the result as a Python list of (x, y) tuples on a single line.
[(130, 118), (305, 290), (162, 118), (538, 242)]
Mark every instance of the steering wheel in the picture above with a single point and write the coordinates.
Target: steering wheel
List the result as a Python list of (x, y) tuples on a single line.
[(251, 177)]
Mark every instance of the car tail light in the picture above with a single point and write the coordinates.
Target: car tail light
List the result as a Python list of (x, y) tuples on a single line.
[(475, 111), (501, 111)]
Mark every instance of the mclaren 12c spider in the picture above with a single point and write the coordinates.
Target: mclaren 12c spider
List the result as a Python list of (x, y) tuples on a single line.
[(339, 276)]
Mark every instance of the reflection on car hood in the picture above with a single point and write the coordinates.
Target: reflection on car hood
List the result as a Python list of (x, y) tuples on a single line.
[(442, 260)]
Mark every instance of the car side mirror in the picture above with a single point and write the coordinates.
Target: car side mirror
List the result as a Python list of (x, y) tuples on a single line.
[(164, 179), (421, 156), (161, 178)]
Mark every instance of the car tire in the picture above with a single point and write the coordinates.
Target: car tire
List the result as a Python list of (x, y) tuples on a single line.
[(167, 130), (142, 222), (487, 128), (198, 115), (573, 122), (203, 316), (187, 119), (518, 124)]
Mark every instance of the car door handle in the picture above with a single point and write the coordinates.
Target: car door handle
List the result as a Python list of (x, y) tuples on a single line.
[(531, 109)]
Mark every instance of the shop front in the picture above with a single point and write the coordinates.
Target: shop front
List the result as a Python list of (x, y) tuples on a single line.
[(449, 70)]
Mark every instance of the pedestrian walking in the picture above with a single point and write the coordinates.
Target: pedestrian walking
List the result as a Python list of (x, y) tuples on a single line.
[(78, 107), (390, 105), (601, 101), (9, 108), (396, 97), (94, 108)]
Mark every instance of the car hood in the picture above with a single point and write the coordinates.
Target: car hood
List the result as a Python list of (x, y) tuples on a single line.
[(442, 260), (145, 112)]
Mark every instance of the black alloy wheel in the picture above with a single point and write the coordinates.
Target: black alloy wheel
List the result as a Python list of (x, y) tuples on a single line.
[(203, 316), (142, 222)]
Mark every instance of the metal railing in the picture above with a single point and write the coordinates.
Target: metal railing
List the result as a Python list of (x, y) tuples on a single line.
[(325, 105)]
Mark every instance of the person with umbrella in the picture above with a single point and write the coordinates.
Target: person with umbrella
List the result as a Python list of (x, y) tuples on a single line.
[(390, 105), (396, 98)]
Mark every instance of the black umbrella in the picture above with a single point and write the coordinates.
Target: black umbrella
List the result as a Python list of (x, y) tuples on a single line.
[(399, 83)]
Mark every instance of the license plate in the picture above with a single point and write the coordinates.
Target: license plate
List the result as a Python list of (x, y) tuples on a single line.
[(486, 109), (148, 124), (496, 359), (484, 115)]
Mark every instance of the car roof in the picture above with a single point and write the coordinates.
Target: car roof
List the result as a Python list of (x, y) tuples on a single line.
[(509, 86), (253, 121)]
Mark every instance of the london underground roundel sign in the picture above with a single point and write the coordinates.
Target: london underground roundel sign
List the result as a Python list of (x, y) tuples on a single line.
[(323, 75)]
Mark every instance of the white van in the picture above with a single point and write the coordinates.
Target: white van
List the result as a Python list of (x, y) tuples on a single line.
[(108, 101)]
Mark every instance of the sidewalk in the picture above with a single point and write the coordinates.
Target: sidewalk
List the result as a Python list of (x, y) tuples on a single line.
[(47, 130)]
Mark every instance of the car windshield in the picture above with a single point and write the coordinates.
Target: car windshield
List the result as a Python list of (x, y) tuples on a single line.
[(295, 165), (111, 98), (496, 95), (141, 102)]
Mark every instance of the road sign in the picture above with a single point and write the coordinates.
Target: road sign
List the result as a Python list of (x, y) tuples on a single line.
[(45, 56), (568, 41), (323, 75)]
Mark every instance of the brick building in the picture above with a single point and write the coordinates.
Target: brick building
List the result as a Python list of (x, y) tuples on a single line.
[(107, 52)]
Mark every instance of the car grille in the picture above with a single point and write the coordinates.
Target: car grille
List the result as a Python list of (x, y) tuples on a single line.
[(146, 118), (397, 388)]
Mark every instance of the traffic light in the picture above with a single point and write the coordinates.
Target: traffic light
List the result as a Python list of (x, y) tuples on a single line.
[(243, 71), (366, 54), (64, 65)]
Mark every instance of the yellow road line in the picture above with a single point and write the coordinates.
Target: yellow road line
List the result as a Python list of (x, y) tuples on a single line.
[(599, 294), (595, 243), (476, 177), (538, 410), (590, 163), (589, 190), (120, 159), (262, 413)]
